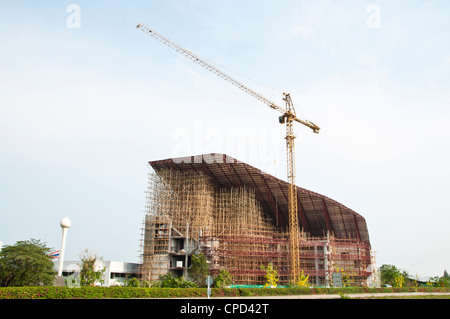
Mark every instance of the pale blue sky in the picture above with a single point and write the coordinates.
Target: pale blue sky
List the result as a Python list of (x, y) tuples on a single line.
[(82, 111)]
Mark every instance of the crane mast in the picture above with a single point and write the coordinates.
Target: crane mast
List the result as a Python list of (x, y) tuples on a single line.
[(288, 116), (294, 235)]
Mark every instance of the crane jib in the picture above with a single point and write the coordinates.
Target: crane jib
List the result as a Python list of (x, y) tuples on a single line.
[(288, 117), (195, 58)]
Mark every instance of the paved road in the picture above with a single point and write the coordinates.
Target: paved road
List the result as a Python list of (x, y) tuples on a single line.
[(336, 296)]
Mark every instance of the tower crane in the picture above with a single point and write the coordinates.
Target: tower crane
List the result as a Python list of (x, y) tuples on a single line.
[(288, 116)]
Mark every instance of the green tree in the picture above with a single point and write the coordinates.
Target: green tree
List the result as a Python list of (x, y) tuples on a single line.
[(392, 275), (199, 270), (166, 281), (439, 281), (222, 279), (89, 275), (27, 263)]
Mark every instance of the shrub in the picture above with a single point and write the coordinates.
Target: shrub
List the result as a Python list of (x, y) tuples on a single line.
[(87, 292), (271, 275), (169, 281), (133, 282)]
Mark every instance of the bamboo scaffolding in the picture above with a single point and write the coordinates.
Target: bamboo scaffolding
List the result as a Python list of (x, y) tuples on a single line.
[(187, 213)]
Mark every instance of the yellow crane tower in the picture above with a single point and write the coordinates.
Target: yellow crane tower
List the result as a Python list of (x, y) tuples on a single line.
[(288, 116)]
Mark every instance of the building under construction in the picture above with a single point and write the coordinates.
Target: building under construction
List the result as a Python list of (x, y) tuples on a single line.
[(237, 216)]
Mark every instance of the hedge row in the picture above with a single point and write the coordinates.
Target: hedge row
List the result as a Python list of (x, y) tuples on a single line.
[(128, 292)]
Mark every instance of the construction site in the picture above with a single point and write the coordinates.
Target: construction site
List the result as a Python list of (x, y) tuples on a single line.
[(242, 219), (237, 216)]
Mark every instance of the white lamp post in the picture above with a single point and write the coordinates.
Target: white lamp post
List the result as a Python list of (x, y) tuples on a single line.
[(65, 224)]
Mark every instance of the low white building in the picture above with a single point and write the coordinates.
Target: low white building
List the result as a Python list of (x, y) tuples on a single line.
[(117, 273)]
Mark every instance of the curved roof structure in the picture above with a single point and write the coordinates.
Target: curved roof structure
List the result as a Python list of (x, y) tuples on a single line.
[(317, 214)]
